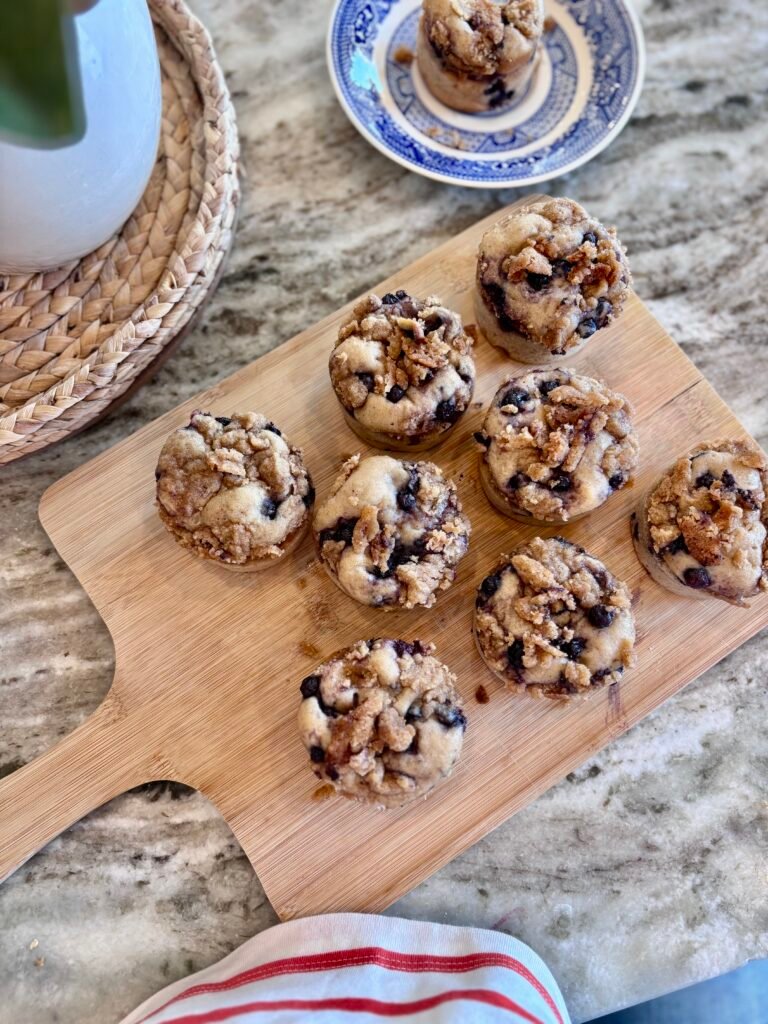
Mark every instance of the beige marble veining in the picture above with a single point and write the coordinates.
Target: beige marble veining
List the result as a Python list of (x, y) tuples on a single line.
[(643, 871)]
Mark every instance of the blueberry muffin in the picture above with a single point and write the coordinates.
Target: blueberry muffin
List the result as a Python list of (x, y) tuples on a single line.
[(391, 533), (548, 277), (231, 489), (701, 530), (475, 55), (382, 721), (555, 445), (402, 370), (552, 621)]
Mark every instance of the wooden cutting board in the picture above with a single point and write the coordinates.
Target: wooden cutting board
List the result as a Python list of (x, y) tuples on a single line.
[(208, 662)]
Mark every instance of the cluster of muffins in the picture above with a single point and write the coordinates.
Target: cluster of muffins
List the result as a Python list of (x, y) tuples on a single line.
[(383, 720)]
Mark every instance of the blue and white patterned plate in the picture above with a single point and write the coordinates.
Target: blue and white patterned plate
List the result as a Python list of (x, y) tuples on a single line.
[(581, 96)]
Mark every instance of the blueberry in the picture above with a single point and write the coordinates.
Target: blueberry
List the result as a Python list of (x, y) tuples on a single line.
[(446, 411), (341, 532), (586, 328), (332, 773), (158, 474), (395, 394), (490, 585), (517, 481), (589, 236), (572, 648), (309, 497), (450, 716), (389, 299), (615, 481), (310, 687), (402, 647), (697, 578), (705, 479), (560, 481), (406, 496), (728, 479), (600, 617), (515, 654), (400, 294), (537, 281), (515, 396), (224, 420), (367, 379), (269, 508), (748, 499), (316, 755), (271, 426), (563, 267), (603, 311), (675, 546), (548, 385), (413, 714), (482, 438)]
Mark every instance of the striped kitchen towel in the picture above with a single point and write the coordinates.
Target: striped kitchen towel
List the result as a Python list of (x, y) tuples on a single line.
[(341, 968)]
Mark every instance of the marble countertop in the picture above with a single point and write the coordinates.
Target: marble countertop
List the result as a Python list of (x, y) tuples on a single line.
[(641, 872)]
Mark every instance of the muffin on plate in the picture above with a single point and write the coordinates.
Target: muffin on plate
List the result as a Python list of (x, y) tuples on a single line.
[(555, 445), (391, 533), (232, 490), (403, 371), (474, 55), (552, 621), (382, 721), (701, 529), (548, 277)]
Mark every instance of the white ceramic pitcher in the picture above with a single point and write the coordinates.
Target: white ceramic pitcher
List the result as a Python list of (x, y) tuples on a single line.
[(58, 204)]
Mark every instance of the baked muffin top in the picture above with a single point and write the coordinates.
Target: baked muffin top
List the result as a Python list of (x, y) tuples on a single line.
[(552, 273), (403, 366), (708, 519), (557, 443), (232, 488), (552, 621), (382, 720), (481, 38)]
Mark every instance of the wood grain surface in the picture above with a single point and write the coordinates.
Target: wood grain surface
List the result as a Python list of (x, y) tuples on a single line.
[(208, 662)]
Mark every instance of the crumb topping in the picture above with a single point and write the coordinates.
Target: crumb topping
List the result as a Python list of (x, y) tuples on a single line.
[(402, 366), (553, 274), (708, 516), (553, 621), (391, 533), (382, 720), (232, 488), (556, 443), (480, 38)]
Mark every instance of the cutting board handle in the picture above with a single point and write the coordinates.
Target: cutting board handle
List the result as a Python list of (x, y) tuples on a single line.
[(96, 762)]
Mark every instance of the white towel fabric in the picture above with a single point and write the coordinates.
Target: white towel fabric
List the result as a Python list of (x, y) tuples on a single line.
[(345, 968)]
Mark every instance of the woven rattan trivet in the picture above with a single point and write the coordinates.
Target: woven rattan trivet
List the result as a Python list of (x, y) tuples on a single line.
[(74, 340)]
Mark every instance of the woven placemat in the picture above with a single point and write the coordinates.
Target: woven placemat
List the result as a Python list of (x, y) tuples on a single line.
[(74, 340)]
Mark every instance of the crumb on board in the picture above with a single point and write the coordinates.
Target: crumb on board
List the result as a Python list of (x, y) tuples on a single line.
[(403, 55), (40, 961), (549, 24), (472, 331), (34, 944), (481, 695), (323, 792), (309, 650)]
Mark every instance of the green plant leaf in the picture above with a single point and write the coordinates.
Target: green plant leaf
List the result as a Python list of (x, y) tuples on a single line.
[(41, 102)]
